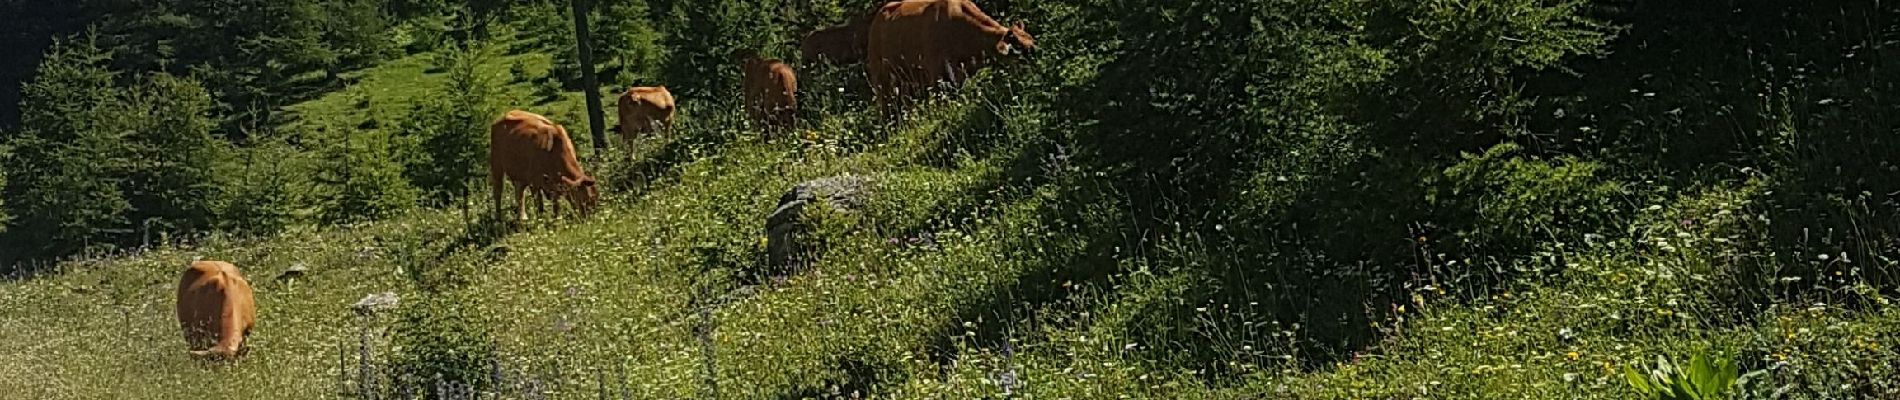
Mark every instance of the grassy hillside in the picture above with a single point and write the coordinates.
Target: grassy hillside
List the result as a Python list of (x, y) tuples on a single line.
[(1389, 201)]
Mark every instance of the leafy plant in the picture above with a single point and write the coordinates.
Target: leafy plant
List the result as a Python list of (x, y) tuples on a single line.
[(1705, 377)]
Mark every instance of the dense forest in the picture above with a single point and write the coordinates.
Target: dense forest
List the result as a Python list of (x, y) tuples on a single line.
[(1375, 198)]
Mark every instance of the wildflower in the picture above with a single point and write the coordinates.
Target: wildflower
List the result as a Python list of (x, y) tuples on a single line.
[(1572, 356)]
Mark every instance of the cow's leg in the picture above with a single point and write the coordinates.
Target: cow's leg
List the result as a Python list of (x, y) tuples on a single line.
[(540, 202), (574, 200), (494, 184), (521, 202)]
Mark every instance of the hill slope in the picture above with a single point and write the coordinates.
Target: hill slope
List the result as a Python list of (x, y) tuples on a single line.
[(1395, 201)]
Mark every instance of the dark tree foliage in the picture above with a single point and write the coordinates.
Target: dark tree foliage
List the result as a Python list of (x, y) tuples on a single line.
[(169, 179), (358, 31), (625, 41), (30, 27), (1303, 136), (70, 133), (700, 36), (118, 163), (5, 154)]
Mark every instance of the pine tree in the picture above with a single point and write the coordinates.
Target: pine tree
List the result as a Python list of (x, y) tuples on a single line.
[(169, 180), (359, 178), (453, 130), (71, 134)]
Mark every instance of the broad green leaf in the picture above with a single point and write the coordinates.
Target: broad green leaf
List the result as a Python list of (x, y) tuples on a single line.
[(1638, 382), (1702, 374), (1726, 373)]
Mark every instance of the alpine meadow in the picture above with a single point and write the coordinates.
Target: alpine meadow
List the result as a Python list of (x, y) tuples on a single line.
[(949, 199)]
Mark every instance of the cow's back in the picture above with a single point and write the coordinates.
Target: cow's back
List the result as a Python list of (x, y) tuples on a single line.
[(528, 148), (640, 107), (903, 53), (770, 89), (212, 298)]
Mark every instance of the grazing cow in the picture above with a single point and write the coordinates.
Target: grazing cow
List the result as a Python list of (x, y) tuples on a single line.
[(643, 109), (215, 310), (843, 44), (770, 89), (534, 153), (916, 43)]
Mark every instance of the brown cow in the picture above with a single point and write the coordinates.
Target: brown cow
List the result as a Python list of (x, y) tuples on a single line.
[(770, 89), (843, 44), (534, 153), (215, 310), (916, 43), (643, 109)]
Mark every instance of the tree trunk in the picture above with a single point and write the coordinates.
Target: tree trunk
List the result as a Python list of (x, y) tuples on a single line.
[(595, 122)]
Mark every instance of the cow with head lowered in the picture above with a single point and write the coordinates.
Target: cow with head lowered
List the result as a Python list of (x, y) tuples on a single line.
[(643, 110), (915, 44), (215, 310), (536, 155), (769, 89)]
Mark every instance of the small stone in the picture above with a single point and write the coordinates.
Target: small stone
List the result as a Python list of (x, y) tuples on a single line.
[(295, 271), (375, 303)]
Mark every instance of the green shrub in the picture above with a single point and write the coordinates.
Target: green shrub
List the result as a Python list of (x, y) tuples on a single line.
[(358, 31), (359, 178), (1505, 202), (452, 130), (438, 341), (262, 188), (1703, 378)]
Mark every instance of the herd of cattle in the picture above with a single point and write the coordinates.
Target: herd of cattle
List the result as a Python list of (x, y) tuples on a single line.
[(907, 47)]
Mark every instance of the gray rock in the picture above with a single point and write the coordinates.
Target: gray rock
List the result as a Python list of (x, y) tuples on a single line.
[(843, 193), (375, 303), (297, 270)]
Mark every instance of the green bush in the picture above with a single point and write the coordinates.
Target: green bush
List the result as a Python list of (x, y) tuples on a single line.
[(626, 43), (264, 187), (359, 177), (1510, 202), (438, 341), (452, 130)]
